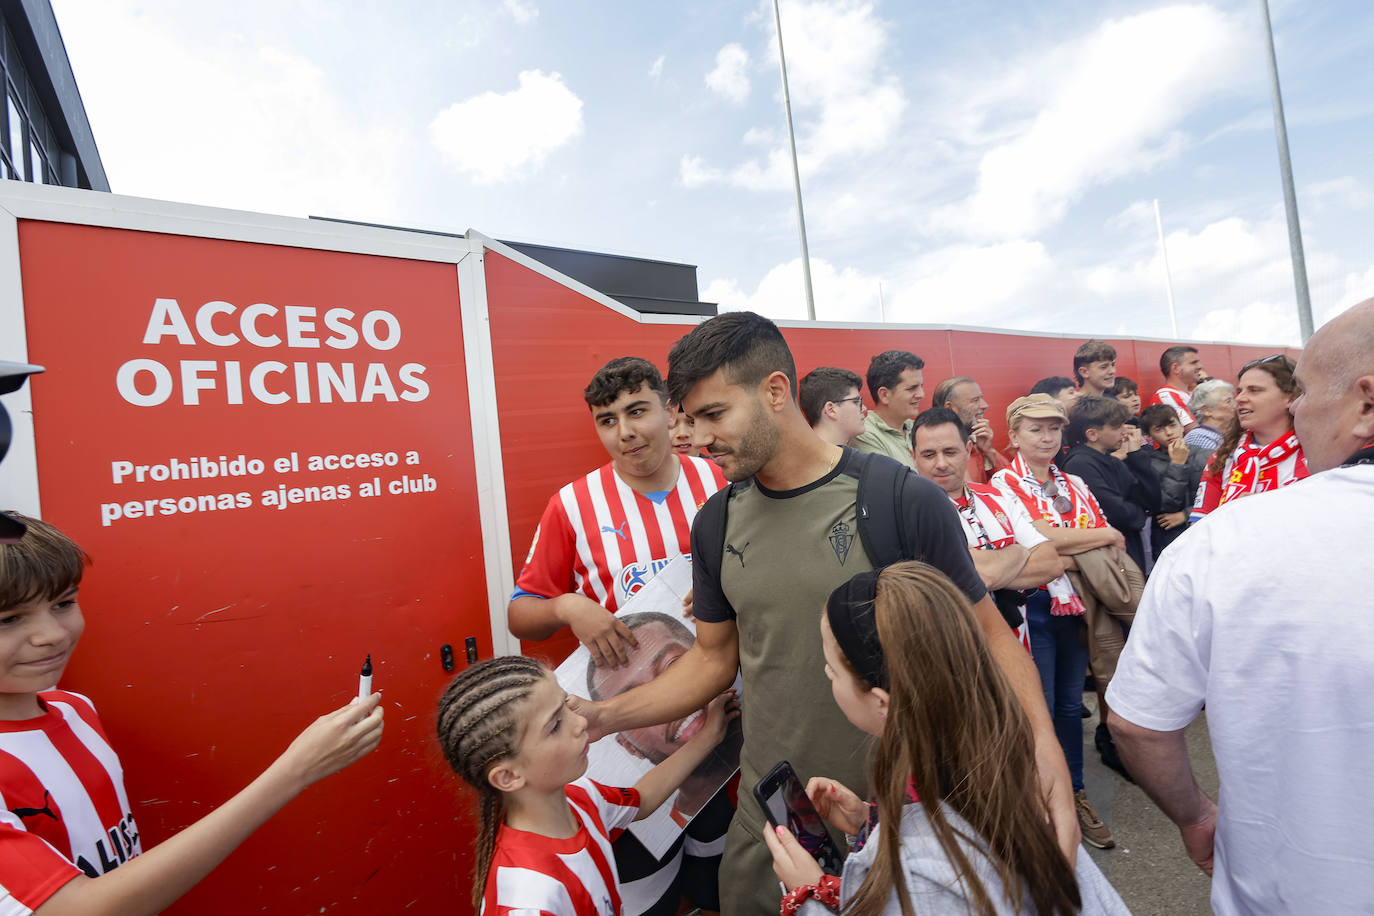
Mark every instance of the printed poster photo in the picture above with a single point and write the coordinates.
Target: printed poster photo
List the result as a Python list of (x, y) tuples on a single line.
[(654, 614)]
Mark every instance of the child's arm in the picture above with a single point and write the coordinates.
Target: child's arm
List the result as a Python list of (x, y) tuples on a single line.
[(663, 780), (152, 881)]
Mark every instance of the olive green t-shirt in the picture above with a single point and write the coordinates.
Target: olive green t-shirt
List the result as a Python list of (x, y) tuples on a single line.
[(784, 553), (881, 439)]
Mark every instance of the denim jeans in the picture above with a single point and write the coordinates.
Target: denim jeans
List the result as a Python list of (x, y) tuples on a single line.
[(1062, 661)]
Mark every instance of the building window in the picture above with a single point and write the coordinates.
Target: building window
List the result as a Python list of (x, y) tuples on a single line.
[(16, 147)]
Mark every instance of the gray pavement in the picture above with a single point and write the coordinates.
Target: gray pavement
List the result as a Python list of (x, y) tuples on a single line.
[(1148, 867)]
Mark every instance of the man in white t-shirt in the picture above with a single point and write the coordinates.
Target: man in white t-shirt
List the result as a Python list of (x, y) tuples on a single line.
[(1008, 551), (1180, 366), (1266, 618)]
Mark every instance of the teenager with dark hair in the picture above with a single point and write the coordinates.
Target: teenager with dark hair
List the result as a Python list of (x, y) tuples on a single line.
[(1179, 468), (831, 402), (1126, 488), (1094, 368), (1058, 387), (1127, 392), (785, 535), (947, 833)]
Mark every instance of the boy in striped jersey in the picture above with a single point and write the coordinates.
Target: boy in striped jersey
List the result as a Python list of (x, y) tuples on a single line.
[(600, 540), (65, 817)]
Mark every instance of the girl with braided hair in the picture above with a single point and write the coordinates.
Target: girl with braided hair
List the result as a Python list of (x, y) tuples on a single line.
[(958, 826), (544, 841)]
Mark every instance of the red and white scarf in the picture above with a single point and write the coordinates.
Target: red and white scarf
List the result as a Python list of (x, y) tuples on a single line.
[(1084, 512), (1252, 468), (1257, 468)]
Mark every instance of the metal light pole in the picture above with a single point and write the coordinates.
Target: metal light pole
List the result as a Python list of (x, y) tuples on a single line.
[(1290, 196), (1168, 277), (796, 175)]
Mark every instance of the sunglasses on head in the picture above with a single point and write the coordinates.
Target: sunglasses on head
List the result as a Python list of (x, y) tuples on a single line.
[(1276, 358)]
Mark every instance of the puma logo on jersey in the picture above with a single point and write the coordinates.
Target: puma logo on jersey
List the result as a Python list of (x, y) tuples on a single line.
[(730, 549), (618, 532), (34, 812)]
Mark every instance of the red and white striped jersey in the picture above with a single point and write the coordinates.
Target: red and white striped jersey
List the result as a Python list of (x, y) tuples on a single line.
[(1178, 400), (534, 875), (64, 810), (601, 539)]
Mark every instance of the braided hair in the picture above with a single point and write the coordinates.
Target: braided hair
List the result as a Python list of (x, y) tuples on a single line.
[(478, 727)]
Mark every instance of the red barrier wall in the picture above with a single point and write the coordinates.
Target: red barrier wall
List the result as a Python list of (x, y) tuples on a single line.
[(549, 340), (214, 637)]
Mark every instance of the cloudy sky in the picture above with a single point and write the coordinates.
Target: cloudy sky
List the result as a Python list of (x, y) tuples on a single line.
[(980, 163)]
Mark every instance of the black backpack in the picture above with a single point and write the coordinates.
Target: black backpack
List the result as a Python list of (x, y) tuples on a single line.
[(882, 484), (887, 539)]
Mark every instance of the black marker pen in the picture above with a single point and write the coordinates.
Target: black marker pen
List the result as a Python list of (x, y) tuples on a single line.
[(365, 680)]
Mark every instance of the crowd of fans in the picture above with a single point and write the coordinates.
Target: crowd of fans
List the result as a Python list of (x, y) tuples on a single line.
[(915, 615)]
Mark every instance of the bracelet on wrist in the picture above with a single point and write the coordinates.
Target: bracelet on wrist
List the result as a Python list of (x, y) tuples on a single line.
[(826, 891)]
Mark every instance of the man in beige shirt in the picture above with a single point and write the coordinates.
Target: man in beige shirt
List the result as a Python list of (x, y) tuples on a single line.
[(896, 384)]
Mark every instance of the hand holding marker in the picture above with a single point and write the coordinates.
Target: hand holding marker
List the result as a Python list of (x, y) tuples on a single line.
[(365, 680)]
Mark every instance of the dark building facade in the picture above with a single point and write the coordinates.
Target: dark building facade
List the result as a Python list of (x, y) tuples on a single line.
[(44, 134)]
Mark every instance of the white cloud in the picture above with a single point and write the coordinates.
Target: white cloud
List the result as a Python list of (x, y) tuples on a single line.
[(522, 11), (695, 173), (1138, 214), (230, 122), (845, 102), (1358, 288), (841, 294), (1344, 193), (730, 77), (498, 136), (1262, 321), (1115, 103), (971, 284), (1228, 248), (656, 68), (961, 284)]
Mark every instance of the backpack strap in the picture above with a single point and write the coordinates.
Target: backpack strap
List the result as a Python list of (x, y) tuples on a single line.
[(882, 526)]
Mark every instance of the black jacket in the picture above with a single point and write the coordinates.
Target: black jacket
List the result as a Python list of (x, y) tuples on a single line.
[(1128, 490), (1178, 485)]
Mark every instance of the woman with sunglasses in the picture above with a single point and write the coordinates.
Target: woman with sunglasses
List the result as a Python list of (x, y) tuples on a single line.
[(1260, 450), (1065, 511)]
